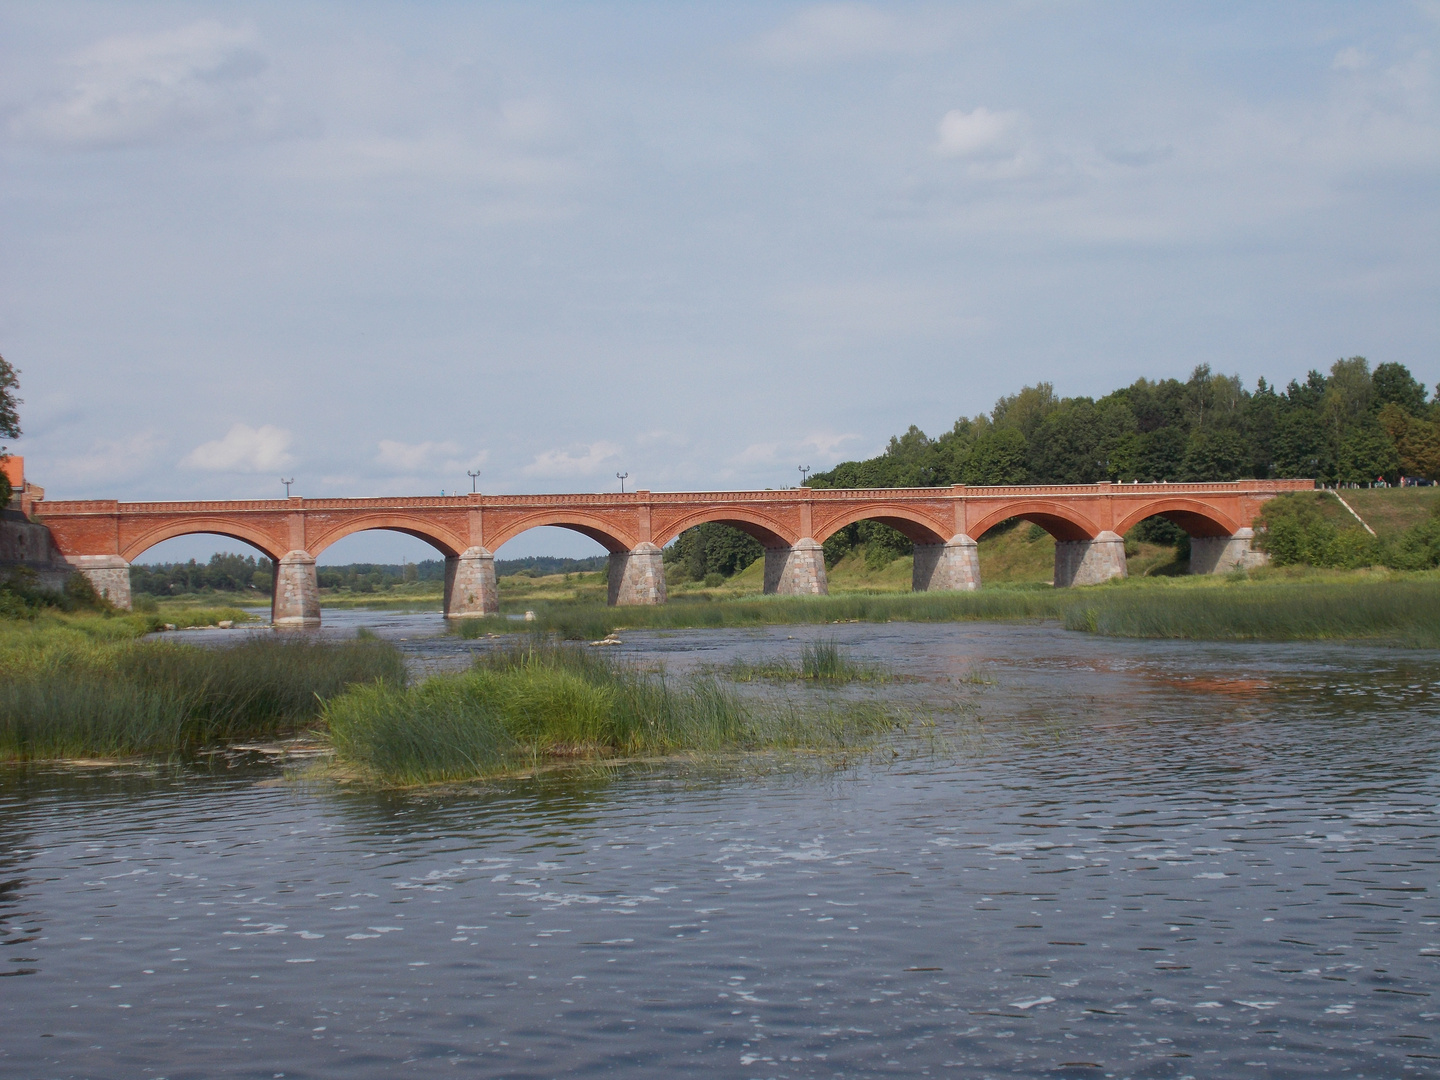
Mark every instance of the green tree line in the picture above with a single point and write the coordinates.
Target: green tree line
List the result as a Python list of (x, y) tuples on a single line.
[(1352, 426)]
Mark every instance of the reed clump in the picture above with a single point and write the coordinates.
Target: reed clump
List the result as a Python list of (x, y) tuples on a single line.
[(72, 693), (541, 702)]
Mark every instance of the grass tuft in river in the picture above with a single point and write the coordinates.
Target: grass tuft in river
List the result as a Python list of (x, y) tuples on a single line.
[(92, 697), (542, 702), (825, 662)]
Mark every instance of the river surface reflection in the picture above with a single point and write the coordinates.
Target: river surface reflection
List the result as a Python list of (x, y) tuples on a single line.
[(1133, 859)]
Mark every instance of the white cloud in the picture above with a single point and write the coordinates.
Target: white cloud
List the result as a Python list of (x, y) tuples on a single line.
[(147, 88), (243, 449), (962, 134), (1351, 59), (827, 443), (106, 460), (844, 32), (757, 454), (582, 460)]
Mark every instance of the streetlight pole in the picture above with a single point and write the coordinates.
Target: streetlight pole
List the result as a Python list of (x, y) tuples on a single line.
[(474, 477), (287, 484), (621, 477), (804, 473)]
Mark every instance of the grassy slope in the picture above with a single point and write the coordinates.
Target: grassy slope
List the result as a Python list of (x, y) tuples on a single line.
[(1388, 511)]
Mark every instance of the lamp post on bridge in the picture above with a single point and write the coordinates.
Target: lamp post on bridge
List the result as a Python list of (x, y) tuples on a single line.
[(621, 477), (804, 473), (287, 484), (474, 477)]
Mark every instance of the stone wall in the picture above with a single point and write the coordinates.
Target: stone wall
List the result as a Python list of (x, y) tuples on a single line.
[(1221, 554), (950, 567), (638, 576)]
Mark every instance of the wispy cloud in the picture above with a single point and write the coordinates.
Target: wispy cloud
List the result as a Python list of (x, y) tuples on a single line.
[(581, 460), (829, 32), (107, 460), (199, 79), (401, 457), (243, 449)]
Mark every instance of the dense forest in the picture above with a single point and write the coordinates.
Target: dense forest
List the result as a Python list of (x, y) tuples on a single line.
[(247, 573)]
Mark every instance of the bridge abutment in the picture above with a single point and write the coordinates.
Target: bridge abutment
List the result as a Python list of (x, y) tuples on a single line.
[(798, 570), (1089, 562), (110, 575), (637, 576), (1221, 554), (296, 603), (953, 566), (470, 590)]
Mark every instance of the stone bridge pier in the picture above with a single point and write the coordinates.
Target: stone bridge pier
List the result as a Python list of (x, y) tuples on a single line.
[(1221, 554), (953, 566), (296, 600), (1089, 562), (798, 570), (470, 588), (109, 574), (637, 576)]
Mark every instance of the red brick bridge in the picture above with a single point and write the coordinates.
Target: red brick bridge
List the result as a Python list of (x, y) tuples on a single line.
[(101, 538)]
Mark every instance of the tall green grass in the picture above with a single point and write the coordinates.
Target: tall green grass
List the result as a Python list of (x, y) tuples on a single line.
[(1264, 606), (1400, 612), (539, 702), (73, 697)]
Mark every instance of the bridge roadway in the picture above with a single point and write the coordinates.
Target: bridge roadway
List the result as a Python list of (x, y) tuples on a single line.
[(101, 538)]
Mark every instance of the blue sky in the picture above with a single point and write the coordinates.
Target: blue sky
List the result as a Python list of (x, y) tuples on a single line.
[(372, 246)]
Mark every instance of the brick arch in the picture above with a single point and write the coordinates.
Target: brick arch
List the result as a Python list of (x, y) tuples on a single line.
[(268, 545), (764, 528), (1059, 520), (443, 540), (1195, 517), (918, 527), (598, 528)]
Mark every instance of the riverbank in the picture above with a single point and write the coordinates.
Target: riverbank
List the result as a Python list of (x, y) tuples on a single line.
[(1268, 605)]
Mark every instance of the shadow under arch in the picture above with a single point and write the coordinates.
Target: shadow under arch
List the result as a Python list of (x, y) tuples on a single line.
[(1195, 517), (603, 532), (442, 540), (1058, 520), (916, 527), (233, 530), (761, 527)]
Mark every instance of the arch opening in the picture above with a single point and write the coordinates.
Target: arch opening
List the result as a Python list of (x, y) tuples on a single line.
[(1196, 518), (236, 570), (914, 527), (759, 527), (1059, 527)]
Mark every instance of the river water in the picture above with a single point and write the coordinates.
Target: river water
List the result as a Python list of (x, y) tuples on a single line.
[(1120, 859)]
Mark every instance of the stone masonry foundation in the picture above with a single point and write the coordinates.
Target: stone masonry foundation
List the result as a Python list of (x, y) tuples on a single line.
[(297, 592), (1089, 562), (637, 576), (953, 566), (470, 590), (797, 570), (110, 575), (1221, 554)]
